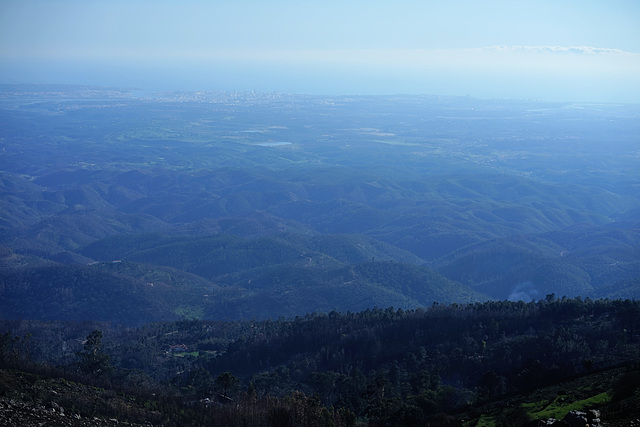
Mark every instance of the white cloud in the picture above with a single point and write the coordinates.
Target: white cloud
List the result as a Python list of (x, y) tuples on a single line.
[(580, 50)]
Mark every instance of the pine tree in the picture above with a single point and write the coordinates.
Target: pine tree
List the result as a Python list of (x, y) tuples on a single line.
[(91, 359)]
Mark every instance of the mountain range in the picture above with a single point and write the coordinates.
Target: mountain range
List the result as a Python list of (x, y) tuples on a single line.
[(131, 209)]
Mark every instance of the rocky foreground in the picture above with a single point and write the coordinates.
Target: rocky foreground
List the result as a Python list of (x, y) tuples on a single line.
[(29, 400)]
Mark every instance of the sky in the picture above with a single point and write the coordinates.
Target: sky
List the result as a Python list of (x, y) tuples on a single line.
[(560, 50)]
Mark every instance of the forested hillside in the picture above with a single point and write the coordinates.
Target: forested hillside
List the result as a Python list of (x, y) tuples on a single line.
[(493, 363), (128, 208)]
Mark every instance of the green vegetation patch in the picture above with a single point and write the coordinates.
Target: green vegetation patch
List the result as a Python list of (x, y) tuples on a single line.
[(191, 353), (191, 312), (484, 421), (563, 404), (533, 407)]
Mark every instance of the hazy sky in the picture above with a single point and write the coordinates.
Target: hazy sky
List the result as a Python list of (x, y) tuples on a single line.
[(582, 50)]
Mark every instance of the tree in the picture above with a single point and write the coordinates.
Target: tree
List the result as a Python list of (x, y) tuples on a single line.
[(513, 417), (5, 345), (91, 359), (491, 384), (225, 382), (202, 382)]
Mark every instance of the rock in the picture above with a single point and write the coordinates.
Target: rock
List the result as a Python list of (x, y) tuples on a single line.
[(557, 423), (576, 419), (545, 423)]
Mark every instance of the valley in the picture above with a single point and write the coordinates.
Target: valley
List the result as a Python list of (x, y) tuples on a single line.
[(480, 196)]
